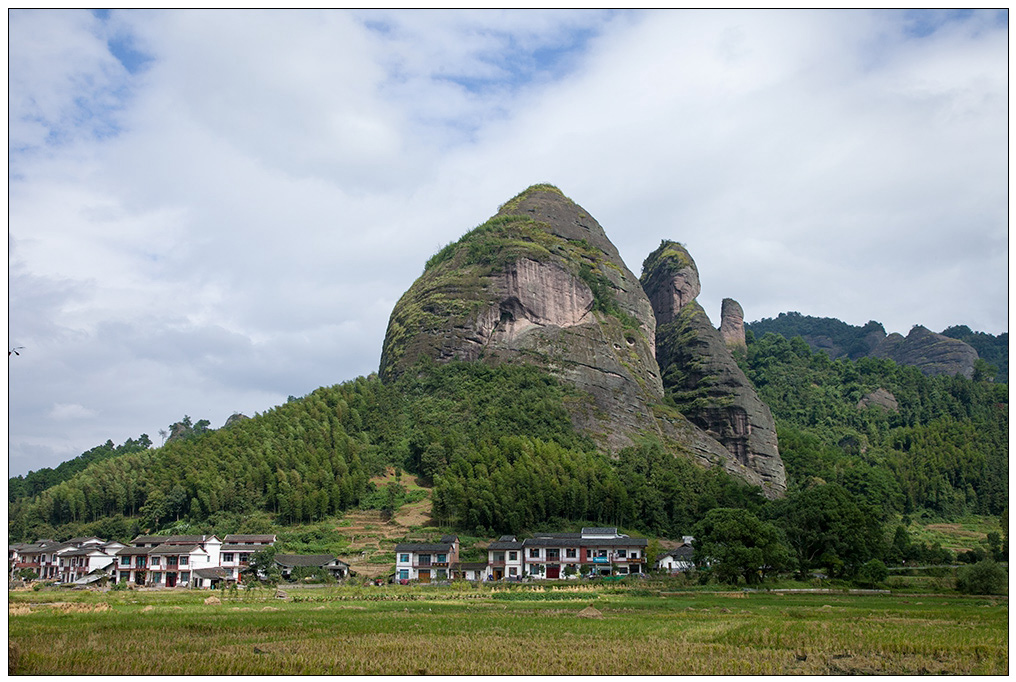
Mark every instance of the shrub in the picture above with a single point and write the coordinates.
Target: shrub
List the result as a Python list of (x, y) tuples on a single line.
[(984, 577), (872, 573)]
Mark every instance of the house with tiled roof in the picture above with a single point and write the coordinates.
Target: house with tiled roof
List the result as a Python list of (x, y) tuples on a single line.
[(75, 564), (599, 551), (677, 560), (287, 563), (237, 549), (504, 559), (166, 560), (426, 562)]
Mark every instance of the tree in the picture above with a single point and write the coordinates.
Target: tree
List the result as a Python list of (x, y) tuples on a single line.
[(261, 565), (734, 543), (827, 528), (984, 577), (872, 573)]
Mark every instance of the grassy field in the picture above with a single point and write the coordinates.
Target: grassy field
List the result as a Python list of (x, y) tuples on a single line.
[(449, 630)]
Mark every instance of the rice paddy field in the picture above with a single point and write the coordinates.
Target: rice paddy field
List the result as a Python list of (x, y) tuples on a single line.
[(580, 630)]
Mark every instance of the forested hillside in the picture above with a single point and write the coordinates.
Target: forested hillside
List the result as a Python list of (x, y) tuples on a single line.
[(841, 340), (36, 481), (943, 448), (496, 441), (992, 349), (498, 445)]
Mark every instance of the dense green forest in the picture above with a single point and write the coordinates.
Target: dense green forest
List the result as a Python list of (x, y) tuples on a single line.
[(499, 448), (856, 342), (945, 449), (36, 481)]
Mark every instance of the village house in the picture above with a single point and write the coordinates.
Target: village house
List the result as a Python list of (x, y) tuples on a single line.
[(677, 560), (237, 550), (27, 556), (166, 560), (504, 559), (287, 563), (596, 551), (426, 562), (89, 559), (475, 571)]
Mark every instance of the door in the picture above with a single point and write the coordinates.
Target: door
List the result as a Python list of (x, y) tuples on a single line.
[(553, 571), (498, 574), (424, 575), (171, 580)]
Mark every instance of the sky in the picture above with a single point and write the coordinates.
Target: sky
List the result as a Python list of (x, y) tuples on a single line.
[(210, 211)]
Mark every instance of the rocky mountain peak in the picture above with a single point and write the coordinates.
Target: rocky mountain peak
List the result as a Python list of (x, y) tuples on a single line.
[(701, 376), (934, 354), (540, 283), (670, 280), (732, 324)]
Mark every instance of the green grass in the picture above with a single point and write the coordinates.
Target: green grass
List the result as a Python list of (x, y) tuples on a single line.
[(468, 630)]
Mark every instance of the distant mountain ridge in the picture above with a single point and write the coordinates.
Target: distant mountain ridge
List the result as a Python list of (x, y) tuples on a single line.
[(949, 353)]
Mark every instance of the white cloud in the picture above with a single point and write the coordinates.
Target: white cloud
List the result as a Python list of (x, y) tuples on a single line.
[(62, 411), (228, 217)]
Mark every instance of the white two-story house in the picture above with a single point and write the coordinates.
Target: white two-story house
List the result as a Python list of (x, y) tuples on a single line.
[(426, 562), (504, 559)]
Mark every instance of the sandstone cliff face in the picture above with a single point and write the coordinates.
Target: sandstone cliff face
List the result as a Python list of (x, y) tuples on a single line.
[(732, 324), (539, 283), (671, 281), (705, 382), (933, 354)]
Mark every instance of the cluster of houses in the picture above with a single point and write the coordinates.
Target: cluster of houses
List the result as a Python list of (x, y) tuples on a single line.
[(206, 561), (596, 552), (157, 560)]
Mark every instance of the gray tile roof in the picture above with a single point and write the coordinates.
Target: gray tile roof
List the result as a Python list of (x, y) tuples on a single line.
[(470, 566), (248, 539), (599, 531), (173, 549), (423, 547), (149, 539), (586, 542), (235, 547), (505, 545), (294, 560)]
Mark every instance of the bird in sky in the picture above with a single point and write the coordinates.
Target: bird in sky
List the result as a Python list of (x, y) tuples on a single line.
[(15, 351)]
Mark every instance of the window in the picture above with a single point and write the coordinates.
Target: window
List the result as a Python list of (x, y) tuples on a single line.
[(621, 554), (513, 571), (125, 561), (442, 558), (404, 573), (155, 561), (570, 553), (184, 560), (425, 560), (513, 556), (534, 553), (404, 559), (227, 557), (441, 574), (634, 554)]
